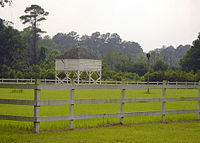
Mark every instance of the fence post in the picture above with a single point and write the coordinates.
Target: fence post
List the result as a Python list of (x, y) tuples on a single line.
[(164, 100), (37, 107), (199, 103), (122, 106), (71, 108)]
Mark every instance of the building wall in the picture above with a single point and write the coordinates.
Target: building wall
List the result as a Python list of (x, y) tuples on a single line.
[(78, 65)]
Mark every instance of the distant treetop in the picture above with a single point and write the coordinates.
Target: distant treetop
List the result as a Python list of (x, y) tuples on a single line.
[(77, 53), (3, 2)]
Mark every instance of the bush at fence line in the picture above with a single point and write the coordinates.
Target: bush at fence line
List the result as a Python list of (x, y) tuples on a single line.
[(47, 74), (110, 75), (19, 74), (197, 76), (17, 91), (173, 76), (156, 76)]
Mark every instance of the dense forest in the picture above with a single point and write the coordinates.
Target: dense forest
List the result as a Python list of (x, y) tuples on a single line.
[(26, 54)]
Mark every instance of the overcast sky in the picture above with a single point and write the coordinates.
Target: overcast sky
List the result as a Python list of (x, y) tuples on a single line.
[(151, 23)]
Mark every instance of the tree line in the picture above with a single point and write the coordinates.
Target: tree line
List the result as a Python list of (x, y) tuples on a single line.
[(25, 54)]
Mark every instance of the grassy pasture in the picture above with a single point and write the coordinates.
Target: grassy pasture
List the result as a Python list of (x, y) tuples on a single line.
[(21, 132), (187, 132), (54, 110)]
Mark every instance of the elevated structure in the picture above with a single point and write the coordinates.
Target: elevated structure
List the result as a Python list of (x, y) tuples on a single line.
[(78, 63)]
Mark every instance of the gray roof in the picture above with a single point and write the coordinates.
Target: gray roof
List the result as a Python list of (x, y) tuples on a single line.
[(77, 53)]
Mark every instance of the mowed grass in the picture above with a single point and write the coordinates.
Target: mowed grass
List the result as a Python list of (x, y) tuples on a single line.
[(187, 132), (54, 110)]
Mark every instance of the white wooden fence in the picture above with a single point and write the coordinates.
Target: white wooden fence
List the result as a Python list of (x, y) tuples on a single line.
[(55, 81), (38, 86)]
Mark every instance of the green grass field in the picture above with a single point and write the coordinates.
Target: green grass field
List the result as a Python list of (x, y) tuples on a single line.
[(187, 132), (11, 130)]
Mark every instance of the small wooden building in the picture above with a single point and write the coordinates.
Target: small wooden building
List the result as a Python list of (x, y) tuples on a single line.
[(78, 61)]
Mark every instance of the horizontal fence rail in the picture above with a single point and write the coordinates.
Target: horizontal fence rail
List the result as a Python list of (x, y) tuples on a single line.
[(91, 116), (17, 118), (95, 101), (83, 82), (92, 86), (38, 86), (111, 115)]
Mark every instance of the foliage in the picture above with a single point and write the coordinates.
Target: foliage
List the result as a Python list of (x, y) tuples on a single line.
[(169, 54), (34, 15), (191, 60), (14, 59), (65, 41), (122, 60), (174, 76), (119, 76), (112, 59), (49, 61), (7, 72), (160, 66), (139, 68), (98, 44), (47, 42), (117, 61), (42, 54), (3, 2), (13, 48)]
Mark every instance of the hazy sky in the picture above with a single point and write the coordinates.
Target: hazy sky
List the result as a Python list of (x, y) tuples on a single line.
[(151, 23)]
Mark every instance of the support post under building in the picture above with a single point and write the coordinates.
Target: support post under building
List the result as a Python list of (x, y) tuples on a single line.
[(76, 63)]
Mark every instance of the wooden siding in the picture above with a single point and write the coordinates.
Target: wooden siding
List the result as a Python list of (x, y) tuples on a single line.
[(78, 65)]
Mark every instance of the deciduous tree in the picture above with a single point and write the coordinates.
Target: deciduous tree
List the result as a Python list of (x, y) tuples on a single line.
[(13, 48), (191, 60)]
